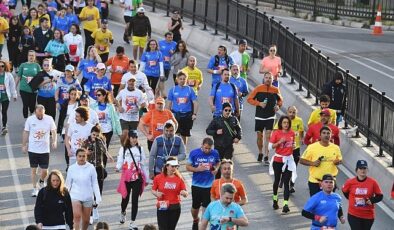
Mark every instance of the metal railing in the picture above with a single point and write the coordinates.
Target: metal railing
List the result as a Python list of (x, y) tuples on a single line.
[(367, 108), (336, 8)]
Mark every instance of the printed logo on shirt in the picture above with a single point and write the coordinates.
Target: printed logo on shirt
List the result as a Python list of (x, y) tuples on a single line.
[(169, 185), (79, 142), (226, 99), (39, 134), (131, 103), (361, 191), (323, 202), (102, 117), (159, 127), (181, 100)]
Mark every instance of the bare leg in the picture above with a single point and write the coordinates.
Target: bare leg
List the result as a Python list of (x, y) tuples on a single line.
[(260, 142), (85, 217), (44, 173), (267, 136), (34, 177), (140, 54), (135, 50), (77, 213)]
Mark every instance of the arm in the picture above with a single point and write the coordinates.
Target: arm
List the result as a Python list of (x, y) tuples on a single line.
[(182, 151), (308, 215), (211, 129), (242, 221), (25, 137), (69, 210), (251, 98), (119, 160), (152, 156), (94, 183), (195, 107), (211, 103), (308, 137), (203, 224), (376, 199)]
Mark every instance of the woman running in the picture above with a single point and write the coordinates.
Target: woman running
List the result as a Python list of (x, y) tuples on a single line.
[(15, 32), (179, 58), (74, 43), (64, 84), (57, 50), (152, 63), (26, 43), (88, 66), (7, 91)]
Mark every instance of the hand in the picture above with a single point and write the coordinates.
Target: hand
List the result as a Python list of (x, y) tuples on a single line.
[(54, 145), (150, 137), (316, 163), (276, 108), (236, 140), (282, 140), (342, 219), (159, 194), (194, 116), (224, 220), (39, 225), (323, 219), (368, 201), (70, 154), (121, 109), (111, 158), (219, 131), (214, 172), (262, 104), (213, 108), (336, 161), (201, 168), (184, 193), (24, 149), (57, 106)]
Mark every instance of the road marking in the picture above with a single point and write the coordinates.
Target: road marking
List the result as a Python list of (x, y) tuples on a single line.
[(15, 178), (382, 205)]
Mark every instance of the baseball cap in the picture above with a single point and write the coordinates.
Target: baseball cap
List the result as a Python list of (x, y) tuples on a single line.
[(361, 164), (160, 100), (173, 162), (132, 77), (83, 97), (70, 68), (101, 66), (243, 42), (226, 104), (133, 133), (327, 177), (141, 10), (325, 112), (104, 21)]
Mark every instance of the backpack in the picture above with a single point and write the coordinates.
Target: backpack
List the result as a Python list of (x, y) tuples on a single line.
[(217, 87), (226, 59)]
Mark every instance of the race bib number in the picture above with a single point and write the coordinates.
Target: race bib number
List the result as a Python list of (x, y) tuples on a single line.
[(191, 82), (159, 127), (226, 99), (163, 204), (359, 202), (152, 63), (166, 58), (28, 79), (181, 100), (90, 69), (2, 88), (119, 69), (65, 96)]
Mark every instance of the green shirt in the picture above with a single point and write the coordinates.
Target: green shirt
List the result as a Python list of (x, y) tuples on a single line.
[(136, 3), (3, 92), (245, 65), (27, 71)]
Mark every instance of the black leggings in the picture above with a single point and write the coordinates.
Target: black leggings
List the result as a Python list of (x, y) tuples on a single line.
[(357, 223), (100, 178), (66, 157), (4, 109), (89, 41), (168, 219), (286, 176), (83, 83), (50, 105), (29, 102), (13, 53), (108, 137), (224, 152), (152, 81), (136, 187)]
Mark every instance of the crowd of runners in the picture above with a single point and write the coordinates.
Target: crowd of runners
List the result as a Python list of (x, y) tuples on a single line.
[(74, 89)]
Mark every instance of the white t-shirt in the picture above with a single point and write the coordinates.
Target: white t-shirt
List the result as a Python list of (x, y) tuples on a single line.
[(128, 11), (39, 133), (104, 119), (93, 117), (78, 134), (141, 80), (70, 109), (131, 102), (237, 57)]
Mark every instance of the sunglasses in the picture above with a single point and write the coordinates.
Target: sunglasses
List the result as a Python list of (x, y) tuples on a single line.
[(227, 110), (45, 65), (99, 95)]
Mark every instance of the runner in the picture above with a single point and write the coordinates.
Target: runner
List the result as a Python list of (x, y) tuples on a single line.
[(179, 59), (129, 11), (227, 169), (282, 164), (90, 18), (184, 105), (175, 26), (152, 64), (363, 193), (103, 40), (322, 157), (15, 31), (100, 81), (224, 213), (168, 187), (33, 21), (7, 91), (140, 28), (26, 44), (61, 22), (117, 66), (313, 133), (223, 92), (194, 74), (272, 64), (132, 163), (324, 208), (72, 18), (218, 63), (64, 84), (82, 189), (242, 86), (152, 123), (337, 92), (88, 66), (267, 100), (167, 48), (57, 50), (84, 102), (42, 35), (324, 104), (204, 164), (74, 42), (166, 145), (24, 14), (242, 58), (35, 142)]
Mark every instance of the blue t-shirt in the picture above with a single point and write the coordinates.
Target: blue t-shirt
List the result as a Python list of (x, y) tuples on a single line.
[(64, 86), (152, 61), (225, 93), (73, 19), (56, 48), (88, 68), (242, 87), (52, 9), (216, 210), (216, 78), (322, 204), (11, 2), (165, 48), (93, 84), (62, 24), (205, 178), (182, 98)]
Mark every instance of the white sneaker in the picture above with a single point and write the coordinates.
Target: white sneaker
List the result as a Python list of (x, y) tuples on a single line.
[(132, 226), (95, 214), (91, 220), (4, 131), (122, 218), (40, 184), (34, 193)]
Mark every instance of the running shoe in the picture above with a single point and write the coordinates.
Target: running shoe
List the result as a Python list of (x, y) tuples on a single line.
[(122, 218), (285, 209), (275, 205), (195, 225), (260, 157), (41, 184), (132, 226), (4, 131), (292, 190), (34, 193), (95, 214), (266, 162)]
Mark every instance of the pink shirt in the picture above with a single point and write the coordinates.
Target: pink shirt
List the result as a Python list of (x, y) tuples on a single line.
[(272, 64)]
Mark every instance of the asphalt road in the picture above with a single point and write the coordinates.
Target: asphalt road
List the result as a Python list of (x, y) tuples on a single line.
[(16, 205)]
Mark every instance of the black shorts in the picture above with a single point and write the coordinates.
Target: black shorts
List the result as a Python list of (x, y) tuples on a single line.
[(260, 125), (128, 125), (200, 197), (39, 159), (185, 123)]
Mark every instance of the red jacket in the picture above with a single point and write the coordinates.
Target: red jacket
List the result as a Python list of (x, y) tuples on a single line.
[(313, 134)]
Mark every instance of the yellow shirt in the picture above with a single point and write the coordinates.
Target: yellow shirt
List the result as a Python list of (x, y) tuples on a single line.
[(195, 77), (34, 24), (297, 125), (315, 117), (330, 153), (3, 26), (102, 40), (92, 15)]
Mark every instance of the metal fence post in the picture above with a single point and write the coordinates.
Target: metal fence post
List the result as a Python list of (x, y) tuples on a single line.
[(346, 95), (227, 17), (308, 92), (284, 54), (292, 61), (182, 7), (216, 17), (317, 76), (369, 115), (263, 37), (314, 8), (373, 11), (295, 6), (168, 8), (327, 62), (336, 9), (154, 6), (358, 103), (205, 15), (247, 22), (276, 4), (300, 72), (255, 51), (194, 13), (257, 2), (237, 17), (381, 124)]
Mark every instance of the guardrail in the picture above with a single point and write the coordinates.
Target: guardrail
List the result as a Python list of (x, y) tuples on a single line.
[(368, 108), (336, 8)]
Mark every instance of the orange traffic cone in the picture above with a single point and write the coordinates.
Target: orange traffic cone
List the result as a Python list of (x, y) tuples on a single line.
[(377, 29)]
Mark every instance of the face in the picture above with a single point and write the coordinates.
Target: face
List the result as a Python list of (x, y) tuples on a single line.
[(285, 124), (31, 57), (324, 118), (33, 14), (131, 84), (73, 29), (92, 52), (324, 104), (40, 9), (62, 12), (227, 198), (73, 95), (133, 140), (159, 106), (338, 81), (69, 10), (171, 169), (206, 148), (100, 72), (327, 185), (226, 112), (181, 80), (242, 48), (39, 113), (78, 118), (225, 76), (175, 15), (46, 65), (68, 73), (90, 2), (234, 70), (56, 34), (267, 79), (169, 132), (181, 46), (152, 45), (94, 135), (45, 24), (84, 102), (81, 157), (100, 96), (119, 55), (26, 31), (291, 112), (25, 9), (169, 37), (55, 181), (362, 172), (272, 50), (132, 68), (104, 26), (15, 21), (226, 170), (191, 62), (221, 52), (325, 135), (140, 14)]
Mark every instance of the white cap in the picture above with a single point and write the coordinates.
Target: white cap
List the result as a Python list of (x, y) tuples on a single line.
[(172, 163), (69, 68), (141, 10), (101, 66)]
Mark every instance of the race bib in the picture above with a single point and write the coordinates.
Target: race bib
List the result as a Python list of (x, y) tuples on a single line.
[(226, 99), (191, 82), (102, 48), (2, 88), (327, 228), (73, 49), (28, 79), (181, 100), (90, 69), (119, 69), (359, 202), (159, 127), (152, 63), (166, 58), (206, 165), (65, 96), (162, 204)]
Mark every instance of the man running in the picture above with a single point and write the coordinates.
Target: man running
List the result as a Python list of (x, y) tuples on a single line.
[(195, 78), (117, 66), (242, 58), (218, 63)]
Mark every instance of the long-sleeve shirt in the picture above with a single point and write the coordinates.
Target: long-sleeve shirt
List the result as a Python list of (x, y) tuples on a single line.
[(82, 182), (231, 130), (140, 26), (271, 95), (124, 157)]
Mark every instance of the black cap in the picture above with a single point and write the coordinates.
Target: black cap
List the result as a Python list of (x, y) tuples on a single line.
[(104, 21), (361, 164), (242, 42), (327, 177), (133, 133), (226, 104), (83, 97)]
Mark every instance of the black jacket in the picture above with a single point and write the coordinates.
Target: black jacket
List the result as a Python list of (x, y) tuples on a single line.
[(139, 26), (53, 209), (225, 139), (337, 94), (41, 40), (14, 34)]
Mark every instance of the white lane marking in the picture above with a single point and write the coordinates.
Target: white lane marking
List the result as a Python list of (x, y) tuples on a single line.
[(382, 205), (15, 178)]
